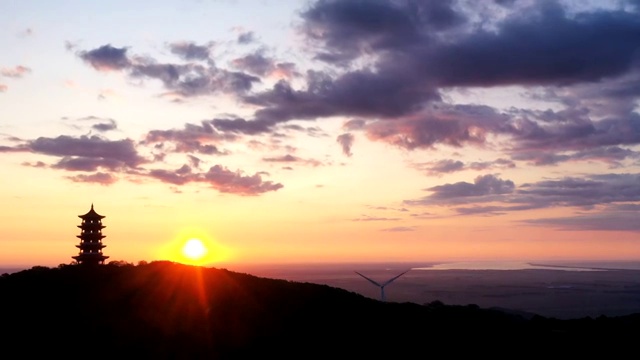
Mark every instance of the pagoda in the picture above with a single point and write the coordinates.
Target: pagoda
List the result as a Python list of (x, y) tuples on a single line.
[(91, 239)]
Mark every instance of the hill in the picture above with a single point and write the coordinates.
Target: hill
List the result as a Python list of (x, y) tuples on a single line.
[(173, 311)]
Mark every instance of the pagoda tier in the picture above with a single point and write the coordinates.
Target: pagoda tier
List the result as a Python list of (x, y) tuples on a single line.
[(91, 239)]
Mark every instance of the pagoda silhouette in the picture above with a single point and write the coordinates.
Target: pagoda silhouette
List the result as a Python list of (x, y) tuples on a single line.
[(91, 239)]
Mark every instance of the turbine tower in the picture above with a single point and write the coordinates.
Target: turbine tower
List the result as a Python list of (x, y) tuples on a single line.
[(384, 283)]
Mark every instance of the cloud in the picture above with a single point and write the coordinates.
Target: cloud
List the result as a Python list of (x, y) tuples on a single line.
[(346, 141), (184, 79), (291, 159), (246, 37), (121, 153), (399, 229), (239, 125), (190, 51), (284, 158), (106, 58), (415, 51), (260, 65), (16, 72), (3, 87), (448, 166), (219, 178), (100, 124), (97, 178), (442, 166), (193, 138), (78, 163), (620, 191)]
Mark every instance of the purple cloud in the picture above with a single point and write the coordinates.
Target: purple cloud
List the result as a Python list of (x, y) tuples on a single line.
[(346, 142), (122, 152), (194, 138), (190, 51), (219, 178), (190, 79), (246, 37), (621, 192), (106, 58)]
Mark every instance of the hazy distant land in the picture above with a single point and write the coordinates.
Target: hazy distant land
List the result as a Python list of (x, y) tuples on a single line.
[(561, 290)]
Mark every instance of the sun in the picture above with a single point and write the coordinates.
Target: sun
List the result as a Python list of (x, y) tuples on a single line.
[(194, 249)]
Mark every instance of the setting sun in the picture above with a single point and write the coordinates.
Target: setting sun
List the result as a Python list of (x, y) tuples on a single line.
[(194, 249)]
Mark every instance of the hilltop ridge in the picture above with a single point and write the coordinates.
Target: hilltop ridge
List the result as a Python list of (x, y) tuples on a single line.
[(169, 310)]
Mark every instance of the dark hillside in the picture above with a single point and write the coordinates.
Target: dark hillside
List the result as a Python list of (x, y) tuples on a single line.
[(172, 311)]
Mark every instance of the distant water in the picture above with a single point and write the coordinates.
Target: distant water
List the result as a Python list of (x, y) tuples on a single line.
[(521, 265)]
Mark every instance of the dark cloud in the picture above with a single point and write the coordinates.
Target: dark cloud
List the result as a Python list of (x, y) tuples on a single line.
[(582, 192), (359, 93), (450, 166), (100, 124), (483, 186), (347, 29), (442, 166), (106, 58), (496, 164), (194, 138), (346, 142), (619, 191), (239, 125), (412, 62), (185, 79), (539, 45), (120, 152), (190, 51), (260, 65), (78, 163), (109, 125), (612, 155), (550, 48)]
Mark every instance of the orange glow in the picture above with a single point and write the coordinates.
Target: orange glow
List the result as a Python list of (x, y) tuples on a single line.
[(194, 247)]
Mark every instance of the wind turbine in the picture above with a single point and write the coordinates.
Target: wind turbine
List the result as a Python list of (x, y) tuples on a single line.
[(384, 283)]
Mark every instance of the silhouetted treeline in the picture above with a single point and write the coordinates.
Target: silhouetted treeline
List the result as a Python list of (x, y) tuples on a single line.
[(172, 311)]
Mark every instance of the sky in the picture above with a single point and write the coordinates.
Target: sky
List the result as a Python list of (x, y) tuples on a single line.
[(287, 131)]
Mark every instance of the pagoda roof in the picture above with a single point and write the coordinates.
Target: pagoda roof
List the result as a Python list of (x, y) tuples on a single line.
[(92, 214)]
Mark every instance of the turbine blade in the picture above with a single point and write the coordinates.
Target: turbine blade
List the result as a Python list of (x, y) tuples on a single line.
[(373, 282), (393, 278)]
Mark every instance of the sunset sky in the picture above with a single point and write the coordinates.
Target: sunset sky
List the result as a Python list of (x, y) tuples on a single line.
[(322, 131)]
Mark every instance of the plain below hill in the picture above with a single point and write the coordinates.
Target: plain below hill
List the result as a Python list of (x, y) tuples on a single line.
[(172, 311)]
